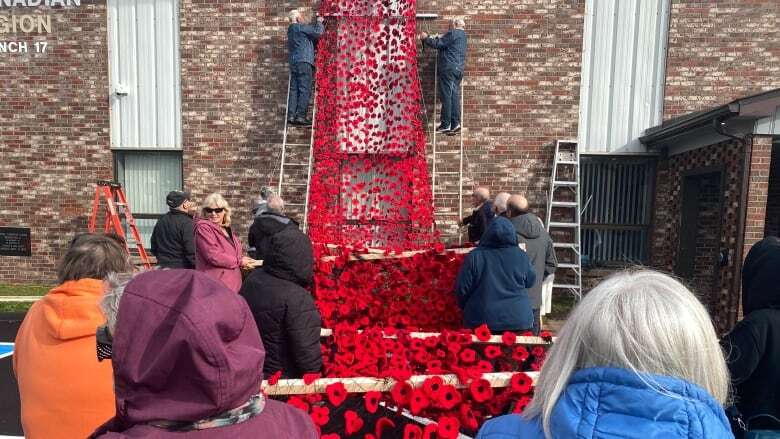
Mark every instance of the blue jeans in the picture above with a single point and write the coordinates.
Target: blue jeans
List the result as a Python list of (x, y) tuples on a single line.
[(300, 90), (449, 92)]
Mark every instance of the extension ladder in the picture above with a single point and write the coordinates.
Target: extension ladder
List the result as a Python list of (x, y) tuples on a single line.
[(116, 206), (445, 178), (282, 184), (565, 224)]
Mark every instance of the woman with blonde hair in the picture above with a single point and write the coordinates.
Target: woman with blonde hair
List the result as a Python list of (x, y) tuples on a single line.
[(217, 249), (637, 358)]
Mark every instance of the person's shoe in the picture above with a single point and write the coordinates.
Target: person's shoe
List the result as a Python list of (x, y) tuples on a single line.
[(302, 122), (454, 130), (442, 129), (291, 122)]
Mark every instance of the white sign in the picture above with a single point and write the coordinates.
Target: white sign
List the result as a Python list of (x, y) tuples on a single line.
[(26, 25)]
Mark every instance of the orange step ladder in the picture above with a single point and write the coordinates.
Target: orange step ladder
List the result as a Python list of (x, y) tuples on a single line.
[(116, 206)]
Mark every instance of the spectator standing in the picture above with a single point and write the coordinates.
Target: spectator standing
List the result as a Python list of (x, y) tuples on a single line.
[(451, 64), (753, 347), (538, 246), (173, 238), (301, 37), (261, 202), (499, 204), (282, 306), (267, 224), (64, 391), (637, 358), (218, 249), (188, 361), (480, 217), (493, 281)]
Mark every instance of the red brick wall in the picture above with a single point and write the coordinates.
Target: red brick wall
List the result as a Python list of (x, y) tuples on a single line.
[(521, 94), (54, 138), (720, 50), (758, 189), (225, 99)]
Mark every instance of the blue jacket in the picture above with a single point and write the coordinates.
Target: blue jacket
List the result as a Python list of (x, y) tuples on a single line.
[(493, 281), (452, 50), (300, 42), (615, 403)]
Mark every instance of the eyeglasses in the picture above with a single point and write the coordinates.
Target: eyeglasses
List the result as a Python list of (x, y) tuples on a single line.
[(208, 210)]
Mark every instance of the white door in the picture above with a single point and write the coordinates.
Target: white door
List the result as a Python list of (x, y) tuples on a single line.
[(144, 74)]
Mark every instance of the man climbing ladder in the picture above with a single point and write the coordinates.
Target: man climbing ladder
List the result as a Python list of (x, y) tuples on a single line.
[(301, 37), (451, 61)]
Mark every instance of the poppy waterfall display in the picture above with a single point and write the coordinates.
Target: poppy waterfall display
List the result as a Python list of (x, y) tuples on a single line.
[(369, 185), (380, 270)]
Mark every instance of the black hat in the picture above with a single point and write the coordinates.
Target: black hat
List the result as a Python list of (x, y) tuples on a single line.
[(176, 198)]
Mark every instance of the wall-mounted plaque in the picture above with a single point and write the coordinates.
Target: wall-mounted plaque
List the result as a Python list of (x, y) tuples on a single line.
[(15, 241)]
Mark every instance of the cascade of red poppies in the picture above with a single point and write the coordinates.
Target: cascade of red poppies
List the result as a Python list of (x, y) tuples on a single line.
[(370, 189), (370, 185)]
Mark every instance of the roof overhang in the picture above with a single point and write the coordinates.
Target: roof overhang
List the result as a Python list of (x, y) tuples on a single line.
[(694, 130)]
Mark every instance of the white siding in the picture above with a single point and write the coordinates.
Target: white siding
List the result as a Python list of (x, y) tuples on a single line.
[(144, 63), (623, 71)]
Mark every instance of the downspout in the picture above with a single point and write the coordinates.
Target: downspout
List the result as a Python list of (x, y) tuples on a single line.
[(734, 299)]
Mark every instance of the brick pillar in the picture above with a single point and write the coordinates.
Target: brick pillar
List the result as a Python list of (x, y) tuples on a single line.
[(755, 210)]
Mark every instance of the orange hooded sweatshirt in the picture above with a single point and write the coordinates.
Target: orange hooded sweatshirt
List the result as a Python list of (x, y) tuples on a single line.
[(64, 391)]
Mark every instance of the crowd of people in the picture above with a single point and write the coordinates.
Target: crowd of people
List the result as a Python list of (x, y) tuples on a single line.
[(112, 353), (181, 351), (500, 283)]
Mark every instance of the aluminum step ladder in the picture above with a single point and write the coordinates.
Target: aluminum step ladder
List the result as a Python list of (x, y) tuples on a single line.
[(282, 184), (437, 177), (564, 199)]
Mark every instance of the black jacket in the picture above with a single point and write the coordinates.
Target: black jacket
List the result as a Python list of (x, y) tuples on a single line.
[(284, 310), (173, 240), (266, 225), (479, 220), (753, 347), (539, 248)]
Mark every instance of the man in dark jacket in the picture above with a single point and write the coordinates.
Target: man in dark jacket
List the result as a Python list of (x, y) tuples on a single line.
[(300, 46), (452, 60), (753, 347), (483, 212), (492, 286), (282, 307), (173, 238), (538, 246)]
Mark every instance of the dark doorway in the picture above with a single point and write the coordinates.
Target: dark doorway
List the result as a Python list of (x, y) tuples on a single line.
[(700, 233)]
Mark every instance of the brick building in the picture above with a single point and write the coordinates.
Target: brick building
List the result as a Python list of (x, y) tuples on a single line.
[(191, 93)]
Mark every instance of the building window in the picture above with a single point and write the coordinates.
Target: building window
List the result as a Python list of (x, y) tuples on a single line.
[(147, 177), (617, 200)]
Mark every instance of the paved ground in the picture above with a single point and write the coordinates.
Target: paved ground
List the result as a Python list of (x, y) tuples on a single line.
[(9, 402)]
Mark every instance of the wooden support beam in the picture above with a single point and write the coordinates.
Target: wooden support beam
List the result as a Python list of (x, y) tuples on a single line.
[(367, 384), (495, 339)]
